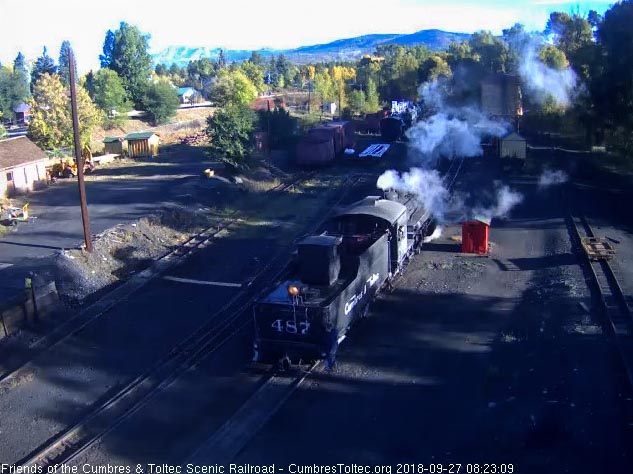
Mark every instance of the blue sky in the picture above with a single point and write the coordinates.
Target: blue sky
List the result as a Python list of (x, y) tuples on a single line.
[(28, 25)]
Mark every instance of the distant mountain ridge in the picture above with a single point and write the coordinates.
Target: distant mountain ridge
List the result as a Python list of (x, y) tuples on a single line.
[(342, 49)]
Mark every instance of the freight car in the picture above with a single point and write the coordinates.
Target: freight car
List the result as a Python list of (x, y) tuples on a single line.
[(336, 274), (391, 128), (315, 149), (323, 143)]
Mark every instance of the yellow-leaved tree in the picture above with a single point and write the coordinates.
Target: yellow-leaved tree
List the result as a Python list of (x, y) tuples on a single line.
[(340, 76), (51, 124)]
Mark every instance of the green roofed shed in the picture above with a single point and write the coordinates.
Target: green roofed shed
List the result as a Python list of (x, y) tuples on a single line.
[(115, 145), (142, 144)]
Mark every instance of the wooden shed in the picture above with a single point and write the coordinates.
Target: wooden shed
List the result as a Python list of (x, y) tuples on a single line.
[(115, 145), (475, 235), (22, 113), (142, 144), (513, 145)]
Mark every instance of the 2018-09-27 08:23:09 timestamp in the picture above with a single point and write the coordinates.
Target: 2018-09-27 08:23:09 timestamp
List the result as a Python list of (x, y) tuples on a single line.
[(455, 468)]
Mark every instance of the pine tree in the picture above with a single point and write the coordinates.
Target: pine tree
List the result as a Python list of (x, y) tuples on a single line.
[(372, 99), (126, 52), (64, 63), (19, 64), (221, 60), (108, 48), (21, 77), (43, 65)]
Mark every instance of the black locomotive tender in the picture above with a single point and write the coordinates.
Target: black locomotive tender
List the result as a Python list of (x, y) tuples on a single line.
[(337, 273)]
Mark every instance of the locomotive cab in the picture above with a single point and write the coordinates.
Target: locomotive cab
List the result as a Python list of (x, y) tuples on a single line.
[(373, 216)]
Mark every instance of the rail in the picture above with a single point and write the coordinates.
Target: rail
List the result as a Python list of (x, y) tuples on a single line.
[(180, 253), (613, 301), (231, 319)]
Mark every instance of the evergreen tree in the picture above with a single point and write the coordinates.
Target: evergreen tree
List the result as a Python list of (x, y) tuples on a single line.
[(257, 59), (19, 64), (126, 52), (372, 100), (107, 91), (43, 65), (221, 64), (21, 77), (161, 102), (161, 70), (108, 48), (89, 84), (282, 67), (230, 131), (64, 63), (6, 107)]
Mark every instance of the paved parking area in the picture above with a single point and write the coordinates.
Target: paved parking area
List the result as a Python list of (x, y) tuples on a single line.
[(115, 195)]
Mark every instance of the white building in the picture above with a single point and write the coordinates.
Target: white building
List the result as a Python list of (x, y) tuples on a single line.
[(22, 166)]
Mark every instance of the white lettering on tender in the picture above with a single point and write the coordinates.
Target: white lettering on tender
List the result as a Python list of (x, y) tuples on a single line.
[(356, 298)]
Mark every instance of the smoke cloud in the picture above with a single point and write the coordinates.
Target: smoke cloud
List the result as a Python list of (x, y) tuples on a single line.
[(451, 131), (543, 81), (428, 188), (506, 200), (426, 185), (436, 234), (551, 178)]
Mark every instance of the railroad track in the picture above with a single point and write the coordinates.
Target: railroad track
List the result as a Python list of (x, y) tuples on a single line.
[(451, 174), (246, 422), (615, 304), (232, 318), (235, 433), (177, 255)]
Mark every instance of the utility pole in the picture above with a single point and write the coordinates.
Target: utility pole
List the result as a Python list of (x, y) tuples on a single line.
[(78, 156), (340, 112), (309, 94), (268, 137)]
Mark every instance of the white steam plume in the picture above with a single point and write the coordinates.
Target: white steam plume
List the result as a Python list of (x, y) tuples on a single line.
[(429, 190), (543, 81), (550, 178), (425, 185), (436, 234), (449, 132), (452, 131), (506, 200)]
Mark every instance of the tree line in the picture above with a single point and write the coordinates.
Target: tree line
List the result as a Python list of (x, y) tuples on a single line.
[(598, 48)]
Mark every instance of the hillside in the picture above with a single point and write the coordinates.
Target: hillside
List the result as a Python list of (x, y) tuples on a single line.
[(348, 48)]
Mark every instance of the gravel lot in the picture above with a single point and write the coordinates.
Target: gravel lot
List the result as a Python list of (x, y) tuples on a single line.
[(502, 359), (62, 383), (471, 360)]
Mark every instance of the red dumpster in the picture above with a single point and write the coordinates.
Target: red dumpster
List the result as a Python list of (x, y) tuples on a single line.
[(475, 235)]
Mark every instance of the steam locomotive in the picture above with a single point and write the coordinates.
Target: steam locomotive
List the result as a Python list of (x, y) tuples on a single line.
[(359, 250)]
